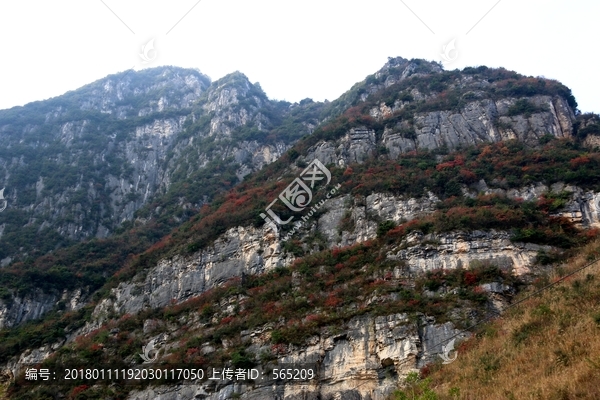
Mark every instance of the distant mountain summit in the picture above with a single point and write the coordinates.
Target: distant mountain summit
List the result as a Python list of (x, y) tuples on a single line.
[(80, 165)]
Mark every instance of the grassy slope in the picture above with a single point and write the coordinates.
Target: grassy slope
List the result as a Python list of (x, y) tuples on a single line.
[(547, 347)]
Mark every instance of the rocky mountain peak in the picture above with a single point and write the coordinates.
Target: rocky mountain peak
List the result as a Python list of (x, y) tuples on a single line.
[(402, 68), (232, 89), (91, 158), (234, 101), (136, 93)]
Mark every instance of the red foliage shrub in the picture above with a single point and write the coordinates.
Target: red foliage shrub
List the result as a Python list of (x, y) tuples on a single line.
[(313, 318), (191, 351), (332, 301), (467, 176), (376, 283), (445, 165), (470, 278), (77, 390), (592, 233), (397, 231), (578, 161), (96, 347), (270, 308), (459, 160), (465, 346)]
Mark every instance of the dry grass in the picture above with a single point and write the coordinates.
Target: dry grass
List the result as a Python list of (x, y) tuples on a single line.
[(548, 347)]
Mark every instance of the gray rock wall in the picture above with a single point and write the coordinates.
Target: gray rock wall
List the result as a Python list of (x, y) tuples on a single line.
[(478, 122), (367, 361), (252, 250), (33, 306)]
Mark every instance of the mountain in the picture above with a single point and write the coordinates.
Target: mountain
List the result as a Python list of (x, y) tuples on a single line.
[(78, 165), (359, 235), (124, 159), (81, 165)]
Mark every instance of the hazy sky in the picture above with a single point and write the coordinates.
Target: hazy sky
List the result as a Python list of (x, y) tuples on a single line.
[(315, 49)]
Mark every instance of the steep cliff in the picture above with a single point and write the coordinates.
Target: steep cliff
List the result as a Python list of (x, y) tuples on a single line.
[(362, 363), (126, 159), (79, 166), (250, 250)]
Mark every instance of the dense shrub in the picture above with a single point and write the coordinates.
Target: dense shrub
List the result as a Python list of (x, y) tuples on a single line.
[(524, 107)]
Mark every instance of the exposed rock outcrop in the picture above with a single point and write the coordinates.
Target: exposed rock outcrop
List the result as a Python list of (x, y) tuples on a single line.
[(32, 306), (252, 250), (122, 142), (478, 122), (367, 361)]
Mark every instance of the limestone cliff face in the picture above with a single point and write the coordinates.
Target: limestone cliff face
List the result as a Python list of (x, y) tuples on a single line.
[(394, 71), (460, 249), (367, 361), (241, 250), (96, 155), (140, 140), (118, 145), (479, 121), (582, 208), (111, 95), (21, 309), (249, 250), (224, 102), (78, 166), (476, 124)]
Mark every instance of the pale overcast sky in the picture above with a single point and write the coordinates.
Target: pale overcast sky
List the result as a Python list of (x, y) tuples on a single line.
[(315, 49)]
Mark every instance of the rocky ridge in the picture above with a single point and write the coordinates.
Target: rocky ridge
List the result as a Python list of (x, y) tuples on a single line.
[(118, 145)]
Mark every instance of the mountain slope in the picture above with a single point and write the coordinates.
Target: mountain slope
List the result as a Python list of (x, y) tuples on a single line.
[(546, 347), (446, 191), (80, 165), (67, 171), (151, 149)]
